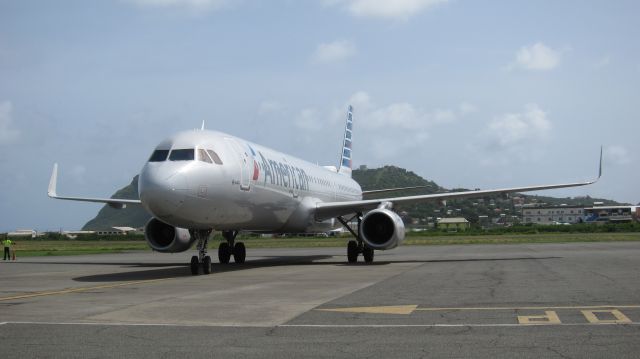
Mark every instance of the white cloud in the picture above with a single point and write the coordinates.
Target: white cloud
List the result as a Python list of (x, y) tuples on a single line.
[(269, 106), (7, 133), (602, 62), (518, 129), (537, 57), (401, 115), (308, 119), (333, 52), (386, 9), (617, 154), (191, 5), (78, 173), (466, 108)]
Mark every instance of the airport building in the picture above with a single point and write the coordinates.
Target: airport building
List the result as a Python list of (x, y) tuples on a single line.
[(573, 215), (117, 231), (453, 224), (604, 214), (23, 233), (552, 215)]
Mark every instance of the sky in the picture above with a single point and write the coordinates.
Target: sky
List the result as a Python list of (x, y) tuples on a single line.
[(473, 94)]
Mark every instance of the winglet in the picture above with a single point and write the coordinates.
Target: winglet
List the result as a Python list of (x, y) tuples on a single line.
[(600, 169), (53, 182), (202, 128)]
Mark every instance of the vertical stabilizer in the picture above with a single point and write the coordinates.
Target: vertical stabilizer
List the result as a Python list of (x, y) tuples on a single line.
[(345, 157)]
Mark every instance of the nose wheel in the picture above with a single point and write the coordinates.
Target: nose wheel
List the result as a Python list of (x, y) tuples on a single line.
[(231, 248), (202, 259)]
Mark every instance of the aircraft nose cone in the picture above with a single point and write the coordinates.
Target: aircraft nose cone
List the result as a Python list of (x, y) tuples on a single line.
[(162, 191)]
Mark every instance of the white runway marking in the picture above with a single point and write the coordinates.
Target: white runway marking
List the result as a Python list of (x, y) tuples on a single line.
[(446, 325), (461, 325)]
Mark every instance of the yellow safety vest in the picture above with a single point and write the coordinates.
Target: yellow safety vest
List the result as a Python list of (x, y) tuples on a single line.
[(7, 243)]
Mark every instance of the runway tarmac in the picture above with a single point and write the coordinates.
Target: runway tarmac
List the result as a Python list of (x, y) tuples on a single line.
[(502, 301)]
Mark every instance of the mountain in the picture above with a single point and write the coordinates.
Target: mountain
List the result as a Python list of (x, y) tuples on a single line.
[(132, 216), (371, 179)]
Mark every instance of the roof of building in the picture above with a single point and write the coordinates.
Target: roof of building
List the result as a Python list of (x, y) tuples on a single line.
[(124, 229), (453, 220)]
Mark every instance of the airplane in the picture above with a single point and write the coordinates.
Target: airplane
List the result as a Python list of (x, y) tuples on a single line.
[(199, 181)]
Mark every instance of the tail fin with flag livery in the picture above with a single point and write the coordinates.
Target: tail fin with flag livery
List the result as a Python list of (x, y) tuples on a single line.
[(345, 157)]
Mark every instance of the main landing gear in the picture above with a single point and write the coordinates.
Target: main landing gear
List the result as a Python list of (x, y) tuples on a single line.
[(231, 247), (357, 246), (202, 259)]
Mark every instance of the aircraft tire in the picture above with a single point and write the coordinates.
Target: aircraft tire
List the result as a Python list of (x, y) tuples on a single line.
[(224, 253), (195, 266), (239, 252), (367, 253), (352, 251), (206, 265)]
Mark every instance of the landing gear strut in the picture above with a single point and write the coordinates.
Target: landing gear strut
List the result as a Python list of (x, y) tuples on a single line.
[(231, 247), (357, 246), (202, 236)]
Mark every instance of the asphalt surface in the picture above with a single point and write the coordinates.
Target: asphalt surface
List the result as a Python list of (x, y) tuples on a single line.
[(500, 301)]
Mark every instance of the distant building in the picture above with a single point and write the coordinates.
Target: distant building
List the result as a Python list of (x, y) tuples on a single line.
[(117, 231), (552, 215), (453, 224), (75, 234), (22, 233), (603, 214)]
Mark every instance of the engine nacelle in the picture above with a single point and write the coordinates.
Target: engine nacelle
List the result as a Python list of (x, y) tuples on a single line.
[(166, 238), (382, 229)]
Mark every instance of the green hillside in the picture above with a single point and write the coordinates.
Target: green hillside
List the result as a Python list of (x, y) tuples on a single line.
[(371, 179), (132, 216)]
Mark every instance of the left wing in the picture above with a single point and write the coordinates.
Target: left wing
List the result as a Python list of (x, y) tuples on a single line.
[(113, 202), (326, 210)]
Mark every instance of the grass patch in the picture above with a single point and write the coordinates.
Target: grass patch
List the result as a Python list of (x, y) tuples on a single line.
[(38, 248), (33, 248)]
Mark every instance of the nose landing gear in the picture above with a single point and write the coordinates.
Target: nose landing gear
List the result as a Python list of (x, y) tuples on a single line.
[(202, 259)]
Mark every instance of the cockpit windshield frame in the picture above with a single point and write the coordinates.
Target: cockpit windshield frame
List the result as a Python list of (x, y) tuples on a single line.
[(182, 154), (159, 155)]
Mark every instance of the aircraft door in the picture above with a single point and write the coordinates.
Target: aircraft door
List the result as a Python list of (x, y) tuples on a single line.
[(245, 162)]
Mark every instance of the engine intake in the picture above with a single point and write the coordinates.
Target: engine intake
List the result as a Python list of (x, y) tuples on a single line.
[(166, 238), (382, 229)]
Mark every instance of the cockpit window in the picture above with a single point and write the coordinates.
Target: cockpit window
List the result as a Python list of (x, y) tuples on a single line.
[(159, 156), (182, 155), (203, 156), (214, 157)]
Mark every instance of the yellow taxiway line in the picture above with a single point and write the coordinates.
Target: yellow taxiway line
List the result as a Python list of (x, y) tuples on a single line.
[(81, 289)]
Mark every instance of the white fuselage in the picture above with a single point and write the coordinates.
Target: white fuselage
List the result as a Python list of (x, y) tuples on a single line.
[(254, 188)]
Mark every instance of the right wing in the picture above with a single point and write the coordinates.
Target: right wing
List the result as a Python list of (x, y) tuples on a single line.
[(113, 202)]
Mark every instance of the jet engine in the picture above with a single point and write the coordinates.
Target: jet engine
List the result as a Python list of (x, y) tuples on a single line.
[(165, 238), (382, 229)]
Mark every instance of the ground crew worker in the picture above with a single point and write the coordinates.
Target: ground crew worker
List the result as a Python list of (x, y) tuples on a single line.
[(13, 250), (7, 248)]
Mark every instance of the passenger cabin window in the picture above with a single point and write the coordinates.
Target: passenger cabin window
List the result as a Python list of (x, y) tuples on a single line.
[(182, 155), (214, 157), (159, 156), (203, 156)]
